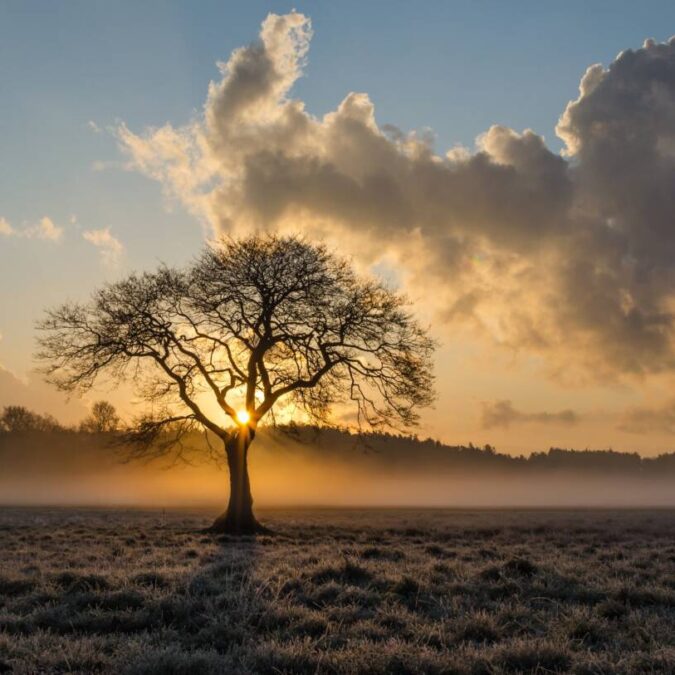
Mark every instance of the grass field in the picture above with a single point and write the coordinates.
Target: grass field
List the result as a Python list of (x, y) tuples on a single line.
[(338, 591)]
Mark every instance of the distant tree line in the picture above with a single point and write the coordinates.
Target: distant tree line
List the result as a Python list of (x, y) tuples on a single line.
[(103, 418), (402, 449), (399, 449)]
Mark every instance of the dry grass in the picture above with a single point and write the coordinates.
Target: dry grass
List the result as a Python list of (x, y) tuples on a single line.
[(338, 592)]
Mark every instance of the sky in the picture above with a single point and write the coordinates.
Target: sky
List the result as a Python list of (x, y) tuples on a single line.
[(541, 259)]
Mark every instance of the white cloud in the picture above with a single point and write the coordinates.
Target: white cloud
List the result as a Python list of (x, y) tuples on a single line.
[(572, 259), (45, 228), (6, 230), (110, 248)]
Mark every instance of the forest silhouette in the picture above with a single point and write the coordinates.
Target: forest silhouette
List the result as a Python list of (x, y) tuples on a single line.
[(398, 449), (309, 465)]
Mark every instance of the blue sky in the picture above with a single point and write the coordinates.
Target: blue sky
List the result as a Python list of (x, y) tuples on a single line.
[(453, 67)]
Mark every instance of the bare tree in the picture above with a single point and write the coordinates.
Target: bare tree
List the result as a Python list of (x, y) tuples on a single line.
[(102, 419), (251, 327)]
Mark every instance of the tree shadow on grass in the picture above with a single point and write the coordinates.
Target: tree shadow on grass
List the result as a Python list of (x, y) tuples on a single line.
[(127, 596), (208, 619)]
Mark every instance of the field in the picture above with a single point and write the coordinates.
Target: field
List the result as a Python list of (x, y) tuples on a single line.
[(338, 591)]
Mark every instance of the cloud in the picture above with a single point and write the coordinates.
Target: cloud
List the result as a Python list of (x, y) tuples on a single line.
[(502, 414), (568, 257), (6, 230), (110, 248), (645, 420), (43, 229)]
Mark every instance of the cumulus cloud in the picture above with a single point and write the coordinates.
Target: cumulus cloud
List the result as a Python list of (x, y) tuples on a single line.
[(570, 257), (45, 228), (109, 248), (502, 414)]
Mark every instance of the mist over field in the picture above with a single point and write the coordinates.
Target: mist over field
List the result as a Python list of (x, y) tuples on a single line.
[(328, 468)]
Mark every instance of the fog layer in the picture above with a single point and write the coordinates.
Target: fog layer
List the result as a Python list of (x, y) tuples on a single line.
[(331, 469)]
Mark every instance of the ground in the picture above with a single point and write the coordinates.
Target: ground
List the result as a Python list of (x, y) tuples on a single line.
[(390, 591)]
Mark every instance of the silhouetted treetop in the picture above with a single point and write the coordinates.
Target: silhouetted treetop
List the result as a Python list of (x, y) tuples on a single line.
[(102, 419), (262, 318)]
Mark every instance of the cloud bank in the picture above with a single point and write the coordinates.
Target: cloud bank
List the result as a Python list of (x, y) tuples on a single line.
[(502, 414), (569, 257), (646, 420)]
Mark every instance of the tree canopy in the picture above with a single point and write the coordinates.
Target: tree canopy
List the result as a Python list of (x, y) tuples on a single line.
[(250, 328), (248, 324)]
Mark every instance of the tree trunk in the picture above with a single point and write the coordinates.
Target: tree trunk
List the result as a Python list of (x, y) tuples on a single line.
[(239, 518)]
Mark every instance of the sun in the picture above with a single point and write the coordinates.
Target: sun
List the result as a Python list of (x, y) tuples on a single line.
[(243, 417)]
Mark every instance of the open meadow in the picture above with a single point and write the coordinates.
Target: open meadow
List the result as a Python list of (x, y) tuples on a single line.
[(338, 591)]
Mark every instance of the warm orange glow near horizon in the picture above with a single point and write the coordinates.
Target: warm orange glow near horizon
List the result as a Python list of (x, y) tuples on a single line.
[(243, 417)]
